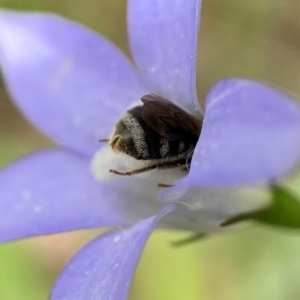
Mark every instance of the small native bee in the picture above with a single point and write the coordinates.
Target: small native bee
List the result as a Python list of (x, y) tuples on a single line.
[(157, 132)]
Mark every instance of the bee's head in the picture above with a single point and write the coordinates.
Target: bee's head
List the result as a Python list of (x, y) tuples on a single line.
[(122, 140)]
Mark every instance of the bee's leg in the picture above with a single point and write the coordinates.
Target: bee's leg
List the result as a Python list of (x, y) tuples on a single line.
[(103, 140), (133, 172), (164, 185), (164, 165)]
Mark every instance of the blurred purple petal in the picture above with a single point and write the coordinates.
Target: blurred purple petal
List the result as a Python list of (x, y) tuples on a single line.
[(69, 81), (54, 191), (105, 267), (163, 38)]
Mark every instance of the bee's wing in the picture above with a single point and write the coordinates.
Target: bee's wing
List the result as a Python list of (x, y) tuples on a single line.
[(167, 119)]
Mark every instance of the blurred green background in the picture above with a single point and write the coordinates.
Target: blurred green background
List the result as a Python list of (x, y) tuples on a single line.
[(257, 39)]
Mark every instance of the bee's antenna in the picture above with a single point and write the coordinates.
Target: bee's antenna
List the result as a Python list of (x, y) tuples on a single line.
[(104, 140)]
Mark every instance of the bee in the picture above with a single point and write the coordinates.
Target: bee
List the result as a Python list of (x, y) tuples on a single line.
[(159, 133)]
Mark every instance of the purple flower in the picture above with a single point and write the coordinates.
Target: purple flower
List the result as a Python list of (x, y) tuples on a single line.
[(75, 85)]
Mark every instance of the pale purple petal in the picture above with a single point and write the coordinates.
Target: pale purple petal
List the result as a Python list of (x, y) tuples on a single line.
[(105, 267), (70, 82), (163, 38), (250, 135), (54, 191)]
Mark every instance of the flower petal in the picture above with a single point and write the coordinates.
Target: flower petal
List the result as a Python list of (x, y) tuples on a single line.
[(250, 135), (163, 40), (54, 191), (70, 82), (104, 268)]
